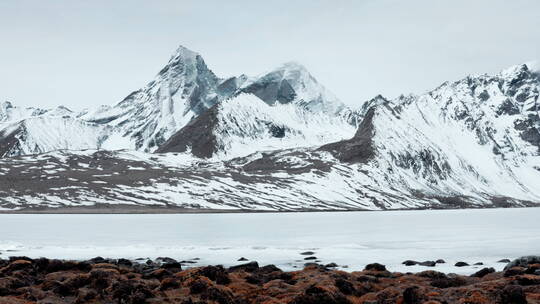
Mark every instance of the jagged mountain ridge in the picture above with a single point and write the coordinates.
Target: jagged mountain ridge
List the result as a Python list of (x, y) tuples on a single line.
[(470, 143), (184, 89)]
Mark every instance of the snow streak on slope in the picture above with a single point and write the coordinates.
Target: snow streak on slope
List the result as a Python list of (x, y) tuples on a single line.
[(246, 125)]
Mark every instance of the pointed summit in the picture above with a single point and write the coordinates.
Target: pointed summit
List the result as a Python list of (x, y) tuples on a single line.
[(292, 83)]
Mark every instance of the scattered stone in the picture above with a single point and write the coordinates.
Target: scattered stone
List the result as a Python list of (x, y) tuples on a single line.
[(25, 281), (478, 264), (440, 261), (409, 263), (331, 265), (428, 263), (242, 259), (310, 258), (307, 253), (461, 264), (503, 261)]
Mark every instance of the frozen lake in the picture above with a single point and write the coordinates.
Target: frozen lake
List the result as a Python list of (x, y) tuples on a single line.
[(346, 238)]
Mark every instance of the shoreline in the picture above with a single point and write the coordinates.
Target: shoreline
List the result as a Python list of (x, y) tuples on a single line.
[(153, 209), (98, 280)]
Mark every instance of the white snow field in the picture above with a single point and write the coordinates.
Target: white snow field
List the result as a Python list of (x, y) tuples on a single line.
[(353, 239)]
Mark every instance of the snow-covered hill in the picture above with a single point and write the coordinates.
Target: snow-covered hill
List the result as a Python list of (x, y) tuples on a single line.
[(33, 131)]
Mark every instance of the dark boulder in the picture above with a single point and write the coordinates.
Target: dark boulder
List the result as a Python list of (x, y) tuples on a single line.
[(98, 260), (331, 265), (248, 267), (375, 267), (124, 262), (449, 282), (517, 270), (198, 286), (524, 261), (440, 261), (431, 274), (513, 294), (218, 295), (318, 295), (428, 263), (216, 274), (461, 264), (411, 295), (483, 272), (173, 266), (409, 263)]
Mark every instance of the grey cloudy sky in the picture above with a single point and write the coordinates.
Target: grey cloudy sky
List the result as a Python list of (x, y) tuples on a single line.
[(83, 53)]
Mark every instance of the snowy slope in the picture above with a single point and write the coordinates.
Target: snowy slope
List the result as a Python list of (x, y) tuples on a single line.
[(45, 133), (32, 131), (246, 124)]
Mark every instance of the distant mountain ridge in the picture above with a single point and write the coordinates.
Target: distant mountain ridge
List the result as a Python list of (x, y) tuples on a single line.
[(281, 141)]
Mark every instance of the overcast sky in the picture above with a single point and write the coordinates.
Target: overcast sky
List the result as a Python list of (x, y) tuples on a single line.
[(85, 53)]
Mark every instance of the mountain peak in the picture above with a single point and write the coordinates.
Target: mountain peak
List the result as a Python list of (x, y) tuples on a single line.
[(292, 66), (184, 52), (516, 71)]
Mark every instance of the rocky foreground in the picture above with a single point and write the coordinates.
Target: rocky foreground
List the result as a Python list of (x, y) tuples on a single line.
[(25, 280)]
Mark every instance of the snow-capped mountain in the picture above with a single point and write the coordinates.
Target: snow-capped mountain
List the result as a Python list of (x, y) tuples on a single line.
[(181, 92), (284, 108), (470, 143)]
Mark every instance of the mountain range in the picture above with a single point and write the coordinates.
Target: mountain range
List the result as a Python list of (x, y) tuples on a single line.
[(278, 141)]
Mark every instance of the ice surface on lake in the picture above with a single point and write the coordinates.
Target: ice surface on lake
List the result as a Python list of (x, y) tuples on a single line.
[(346, 238)]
